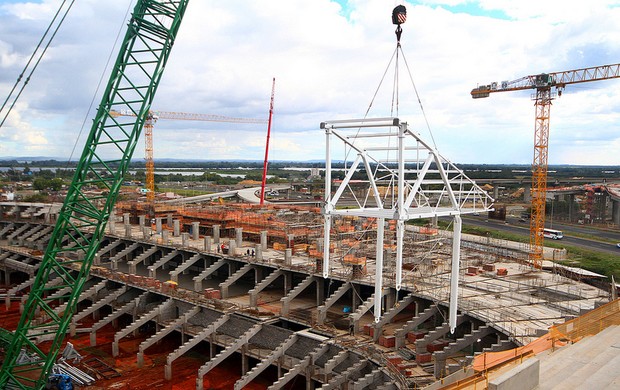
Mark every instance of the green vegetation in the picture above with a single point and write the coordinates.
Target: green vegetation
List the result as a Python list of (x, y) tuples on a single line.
[(601, 263)]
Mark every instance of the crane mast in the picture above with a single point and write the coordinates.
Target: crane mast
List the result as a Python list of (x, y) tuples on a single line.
[(546, 84), (81, 222)]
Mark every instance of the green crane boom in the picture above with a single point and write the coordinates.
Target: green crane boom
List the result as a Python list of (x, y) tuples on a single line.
[(81, 223)]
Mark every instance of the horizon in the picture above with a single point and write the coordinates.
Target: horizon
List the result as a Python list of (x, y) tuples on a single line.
[(139, 161), (328, 57)]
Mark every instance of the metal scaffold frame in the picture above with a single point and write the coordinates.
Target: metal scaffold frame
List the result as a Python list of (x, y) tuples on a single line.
[(416, 181)]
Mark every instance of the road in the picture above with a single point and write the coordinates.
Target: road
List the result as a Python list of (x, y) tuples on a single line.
[(523, 228)]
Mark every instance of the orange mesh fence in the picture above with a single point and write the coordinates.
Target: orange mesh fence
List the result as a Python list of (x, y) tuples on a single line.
[(490, 360), (588, 324)]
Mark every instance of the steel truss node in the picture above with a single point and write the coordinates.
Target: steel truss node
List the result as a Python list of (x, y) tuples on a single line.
[(406, 179)]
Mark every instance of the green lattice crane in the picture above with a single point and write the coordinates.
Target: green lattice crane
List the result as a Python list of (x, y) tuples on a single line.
[(81, 223)]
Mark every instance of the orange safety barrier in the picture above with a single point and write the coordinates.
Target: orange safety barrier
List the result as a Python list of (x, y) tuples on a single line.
[(588, 324), (490, 360), (574, 330)]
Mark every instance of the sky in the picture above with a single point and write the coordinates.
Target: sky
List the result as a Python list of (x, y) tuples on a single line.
[(328, 58)]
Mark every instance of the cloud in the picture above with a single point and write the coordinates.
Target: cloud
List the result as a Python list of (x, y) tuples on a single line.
[(328, 59)]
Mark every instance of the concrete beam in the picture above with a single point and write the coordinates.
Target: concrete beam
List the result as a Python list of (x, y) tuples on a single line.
[(234, 277), (229, 350), (174, 274), (263, 285), (138, 323), (179, 322), (260, 367), (331, 300), (208, 331), (161, 262), (286, 301)]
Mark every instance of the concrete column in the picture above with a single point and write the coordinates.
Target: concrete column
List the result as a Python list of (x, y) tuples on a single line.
[(288, 282), (112, 224), (176, 231), (164, 236), (319, 245), (615, 212), (263, 239), (142, 219), (390, 298), (570, 199), (169, 220), (244, 360), (239, 237), (128, 231), (195, 230), (207, 242), (146, 232), (258, 252), (288, 255), (320, 291), (216, 234), (496, 192), (126, 219), (355, 302), (184, 239), (46, 218), (527, 193), (232, 246), (158, 227)]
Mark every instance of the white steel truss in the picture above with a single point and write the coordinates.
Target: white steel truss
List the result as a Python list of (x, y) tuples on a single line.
[(406, 179)]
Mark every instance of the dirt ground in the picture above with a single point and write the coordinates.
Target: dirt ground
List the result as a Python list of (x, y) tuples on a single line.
[(151, 376)]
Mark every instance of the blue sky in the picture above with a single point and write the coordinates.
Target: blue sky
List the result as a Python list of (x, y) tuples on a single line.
[(328, 58)]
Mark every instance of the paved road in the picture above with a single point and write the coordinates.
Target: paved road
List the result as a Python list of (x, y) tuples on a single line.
[(523, 228)]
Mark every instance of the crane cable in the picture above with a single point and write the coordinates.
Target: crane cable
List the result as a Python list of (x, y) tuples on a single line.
[(395, 88), (38, 60)]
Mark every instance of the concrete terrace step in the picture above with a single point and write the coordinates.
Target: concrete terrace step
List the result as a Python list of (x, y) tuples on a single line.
[(331, 300), (230, 349), (234, 277), (174, 275), (140, 258), (109, 298), (212, 328), (435, 334), (172, 326), (169, 328), (299, 367), (92, 291), (6, 229), (204, 274), (263, 285), (138, 323), (286, 301), (131, 305), (18, 231), (153, 268), (351, 373), (260, 367), (368, 380), (116, 258), (109, 247)]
